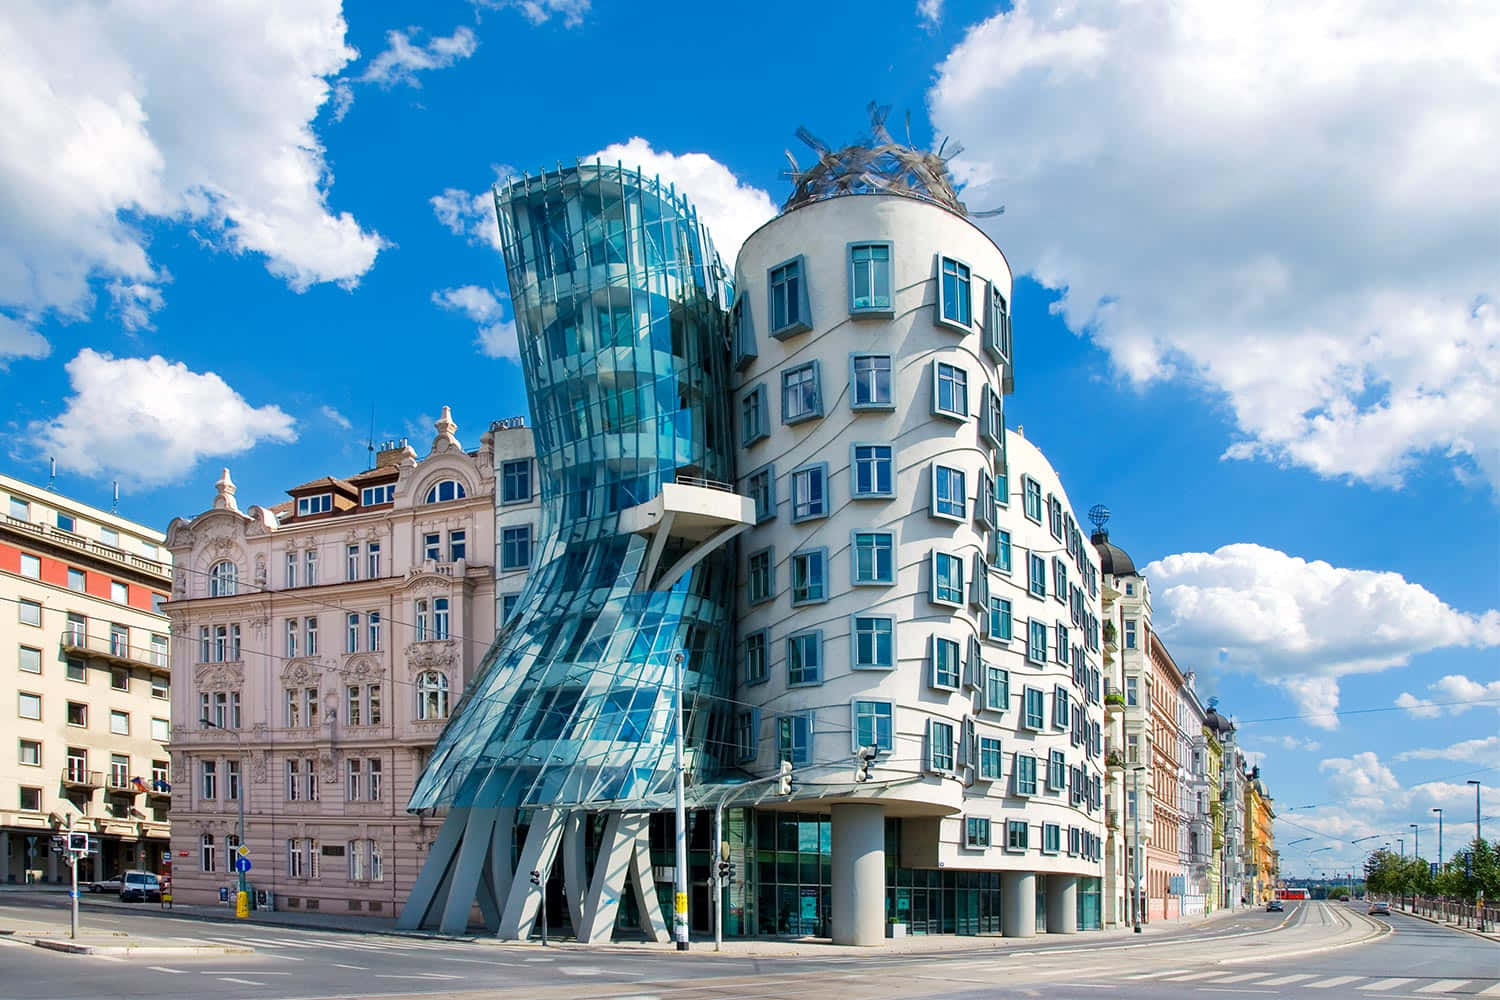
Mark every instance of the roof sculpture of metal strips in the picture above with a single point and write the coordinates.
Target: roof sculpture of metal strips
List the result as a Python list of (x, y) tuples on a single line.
[(878, 165)]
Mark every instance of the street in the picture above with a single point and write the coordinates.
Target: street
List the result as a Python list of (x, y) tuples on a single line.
[(1252, 953)]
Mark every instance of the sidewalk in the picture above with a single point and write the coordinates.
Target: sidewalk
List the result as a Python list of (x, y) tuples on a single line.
[(1491, 930)]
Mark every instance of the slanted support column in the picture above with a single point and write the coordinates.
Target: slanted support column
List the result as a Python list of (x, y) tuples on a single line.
[(1018, 904), (858, 915), (602, 905), (646, 901), (1062, 904), (575, 867), (524, 899), (473, 852), (429, 893)]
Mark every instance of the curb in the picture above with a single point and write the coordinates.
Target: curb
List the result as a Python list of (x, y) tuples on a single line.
[(1481, 935), (139, 951), (1382, 931)]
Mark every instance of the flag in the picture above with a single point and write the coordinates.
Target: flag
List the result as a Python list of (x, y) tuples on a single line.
[(140, 785)]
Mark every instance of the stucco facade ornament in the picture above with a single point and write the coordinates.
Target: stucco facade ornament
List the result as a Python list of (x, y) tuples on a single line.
[(302, 672), (258, 767), (359, 667), (219, 676), (435, 655), (260, 570), (326, 769)]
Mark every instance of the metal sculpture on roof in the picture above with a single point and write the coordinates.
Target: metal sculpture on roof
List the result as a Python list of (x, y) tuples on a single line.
[(879, 164)]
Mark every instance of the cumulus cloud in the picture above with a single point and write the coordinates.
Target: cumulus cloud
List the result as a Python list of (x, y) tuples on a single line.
[(468, 214), (186, 112), (1361, 781), (335, 417), (930, 12), (1452, 693), (1485, 750), (732, 210), (497, 335), (1256, 199), (1297, 743), (403, 59), (148, 421), (1302, 624), (539, 11), (18, 340)]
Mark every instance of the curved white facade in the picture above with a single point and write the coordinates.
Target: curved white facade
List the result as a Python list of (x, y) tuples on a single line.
[(870, 604)]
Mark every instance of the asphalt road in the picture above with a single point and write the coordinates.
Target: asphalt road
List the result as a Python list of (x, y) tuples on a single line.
[(1255, 953)]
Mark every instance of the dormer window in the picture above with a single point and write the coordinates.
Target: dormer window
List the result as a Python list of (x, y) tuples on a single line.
[(372, 495), (448, 489), (320, 503)]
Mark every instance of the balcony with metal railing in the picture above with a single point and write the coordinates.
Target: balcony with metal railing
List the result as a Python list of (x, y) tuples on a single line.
[(116, 648), (87, 545), (118, 783), (80, 777)]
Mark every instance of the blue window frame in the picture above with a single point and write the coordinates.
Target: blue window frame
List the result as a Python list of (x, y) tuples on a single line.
[(1057, 771), (870, 279), (976, 831), (1061, 708), (947, 579), (979, 582), (804, 659), (515, 481), (874, 642), (1059, 578), (515, 547), (801, 397), (1033, 716), (955, 301), (945, 664), (1036, 577), (939, 745), (745, 350), (760, 576), (873, 725), (873, 475), (788, 289), (990, 759), (1051, 838), (870, 382), (1017, 833), (984, 503), (755, 416), (760, 486), (996, 689), (950, 498), (1000, 554), (992, 418), (1032, 491), (874, 558), (757, 657), (810, 492), (950, 391), (794, 738), (809, 577), (1000, 619), (1036, 646), (1054, 516), (1060, 644), (1024, 769), (997, 337), (746, 734)]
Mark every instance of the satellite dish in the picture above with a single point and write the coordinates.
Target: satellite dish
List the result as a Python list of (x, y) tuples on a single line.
[(1099, 514)]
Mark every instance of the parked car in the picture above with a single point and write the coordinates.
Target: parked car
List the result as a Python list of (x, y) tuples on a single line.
[(144, 886), (1274, 906), (114, 884), (1380, 907)]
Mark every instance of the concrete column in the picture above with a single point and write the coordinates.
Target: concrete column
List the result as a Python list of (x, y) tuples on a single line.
[(858, 915), (1018, 904), (5, 869), (1062, 904)]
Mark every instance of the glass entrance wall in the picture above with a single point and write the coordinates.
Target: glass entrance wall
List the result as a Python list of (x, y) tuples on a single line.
[(1090, 904)]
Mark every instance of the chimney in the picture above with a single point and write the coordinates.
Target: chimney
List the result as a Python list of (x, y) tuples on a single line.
[(392, 453)]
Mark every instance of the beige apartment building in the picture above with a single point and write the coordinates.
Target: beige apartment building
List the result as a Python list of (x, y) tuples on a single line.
[(326, 640), (84, 645)]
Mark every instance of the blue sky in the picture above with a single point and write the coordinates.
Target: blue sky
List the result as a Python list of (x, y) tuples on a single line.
[(1255, 319)]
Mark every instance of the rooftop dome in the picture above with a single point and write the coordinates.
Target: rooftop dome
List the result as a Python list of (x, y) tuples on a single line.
[(1113, 560), (1216, 722)]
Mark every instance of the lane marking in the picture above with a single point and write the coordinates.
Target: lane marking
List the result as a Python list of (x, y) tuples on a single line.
[(340, 965), (1285, 980), (163, 968), (1325, 984), (1196, 975), (1150, 975), (424, 976), (1243, 977), (1490, 992), (1231, 989), (242, 982), (1444, 986), (1386, 984)]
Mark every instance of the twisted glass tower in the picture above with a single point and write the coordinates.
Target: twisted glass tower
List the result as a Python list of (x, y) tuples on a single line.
[(620, 308)]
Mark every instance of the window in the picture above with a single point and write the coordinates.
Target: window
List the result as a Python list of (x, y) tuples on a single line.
[(1057, 771), (432, 547), (432, 696), (874, 557), (119, 723), (77, 670), (352, 776), (939, 745), (1036, 577), (800, 395), (1034, 716), (755, 416), (508, 604), (291, 569), (794, 738), (31, 568), (1130, 633), (208, 779), (292, 717), (873, 726), (373, 776), (804, 659), (990, 758), (1060, 643), (996, 689), (870, 378), (870, 278), (64, 522), (745, 350), (809, 492), (789, 311), (31, 799), (1000, 621), (945, 664), (950, 391), (310, 567), (760, 578), (293, 779), (1025, 772), (351, 562), (954, 305), (351, 632), (515, 547), (757, 645), (30, 753), (231, 780), (448, 489), (746, 735), (161, 730), (1032, 491), (458, 545), (223, 579), (296, 858), (515, 481), (206, 852), (872, 475), (372, 700), (809, 577), (310, 636), (30, 613), (1059, 578), (1016, 832), (1051, 838), (77, 581), (997, 337), (20, 509), (371, 496), (322, 503), (947, 579), (761, 487), (78, 714), (976, 831), (874, 642), (950, 498), (992, 418), (440, 618), (29, 660), (158, 654), (372, 560), (1132, 690)]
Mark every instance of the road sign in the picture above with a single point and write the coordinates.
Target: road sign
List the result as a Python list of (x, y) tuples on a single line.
[(1432, 868), (242, 864), (223, 893), (243, 850)]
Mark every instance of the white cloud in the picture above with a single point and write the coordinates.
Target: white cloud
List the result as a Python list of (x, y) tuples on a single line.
[(148, 421), (402, 60), (730, 209), (122, 114), (18, 340), (335, 417), (1485, 750), (1302, 624), (1361, 781), (497, 335), (930, 12), (1297, 743), (539, 11), (1257, 199), (1452, 693), (471, 216), (343, 99)]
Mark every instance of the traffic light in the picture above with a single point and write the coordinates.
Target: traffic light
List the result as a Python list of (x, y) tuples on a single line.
[(78, 843), (726, 872), (536, 877), (865, 756), (784, 779)]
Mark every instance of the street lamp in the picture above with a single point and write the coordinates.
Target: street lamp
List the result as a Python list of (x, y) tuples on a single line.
[(1439, 812), (680, 895), (1136, 902), (1478, 834), (239, 796), (1416, 840), (1402, 842)]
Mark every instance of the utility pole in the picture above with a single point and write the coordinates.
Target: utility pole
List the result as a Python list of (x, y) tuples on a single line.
[(1136, 781), (1439, 812), (680, 896), (73, 856), (242, 891)]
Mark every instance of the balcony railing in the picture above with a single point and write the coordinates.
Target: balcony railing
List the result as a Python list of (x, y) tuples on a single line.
[(82, 777), (115, 648), (119, 784), (90, 546)]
